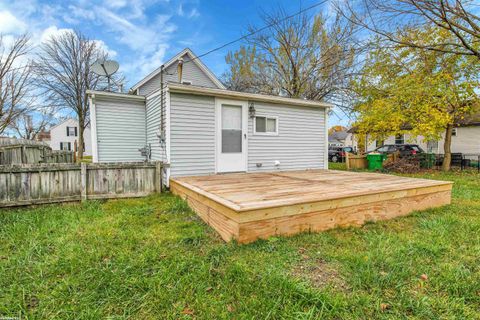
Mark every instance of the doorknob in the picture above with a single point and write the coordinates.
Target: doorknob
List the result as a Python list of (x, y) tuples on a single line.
[(245, 135)]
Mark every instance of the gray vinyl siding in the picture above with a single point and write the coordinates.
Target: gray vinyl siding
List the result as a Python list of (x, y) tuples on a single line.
[(120, 130), (300, 143), (192, 135), (153, 109), (191, 72)]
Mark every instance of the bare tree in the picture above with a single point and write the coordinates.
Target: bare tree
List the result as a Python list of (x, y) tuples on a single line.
[(30, 125), (63, 70), (302, 56), (15, 80), (391, 18)]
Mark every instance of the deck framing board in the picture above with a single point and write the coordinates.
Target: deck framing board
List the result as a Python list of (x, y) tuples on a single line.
[(315, 211)]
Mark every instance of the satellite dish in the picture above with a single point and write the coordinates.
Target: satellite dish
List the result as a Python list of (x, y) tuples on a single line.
[(106, 68)]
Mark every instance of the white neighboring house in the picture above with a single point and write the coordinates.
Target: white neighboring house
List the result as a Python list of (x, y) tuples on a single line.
[(465, 139), (198, 127), (64, 135)]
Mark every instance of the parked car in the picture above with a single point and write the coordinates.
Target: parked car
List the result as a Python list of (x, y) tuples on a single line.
[(337, 154), (404, 149)]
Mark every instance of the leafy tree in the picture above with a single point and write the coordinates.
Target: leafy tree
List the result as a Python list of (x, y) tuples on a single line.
[(301, 57), (430, 91), (337, 128)]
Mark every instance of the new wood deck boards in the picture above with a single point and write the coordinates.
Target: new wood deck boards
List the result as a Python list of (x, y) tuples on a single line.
[(248, 206)]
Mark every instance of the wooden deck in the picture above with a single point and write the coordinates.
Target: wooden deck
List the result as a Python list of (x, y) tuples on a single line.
[(249, 206)]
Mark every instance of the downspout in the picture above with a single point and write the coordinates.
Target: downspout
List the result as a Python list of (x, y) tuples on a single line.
[(162, 136)]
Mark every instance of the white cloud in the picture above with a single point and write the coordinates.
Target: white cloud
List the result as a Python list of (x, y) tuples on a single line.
[(52, 31), (103, 46), (193, 13), (11, 24)]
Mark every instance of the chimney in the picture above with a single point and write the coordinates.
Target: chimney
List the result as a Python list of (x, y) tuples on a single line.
[(180, 69)]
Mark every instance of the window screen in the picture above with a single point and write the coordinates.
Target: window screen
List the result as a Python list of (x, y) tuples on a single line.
[(231, 129), (265, 125), (71, 131)]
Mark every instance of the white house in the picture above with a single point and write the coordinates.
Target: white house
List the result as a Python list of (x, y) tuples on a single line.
[(64, 135), (465, 139), (198, 127)]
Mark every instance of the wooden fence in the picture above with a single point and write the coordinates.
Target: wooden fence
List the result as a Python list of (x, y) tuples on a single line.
[(32, 153), (48, 183)]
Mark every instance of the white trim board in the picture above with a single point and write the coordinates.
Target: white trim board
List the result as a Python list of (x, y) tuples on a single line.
[(93, 131), (236, 95)]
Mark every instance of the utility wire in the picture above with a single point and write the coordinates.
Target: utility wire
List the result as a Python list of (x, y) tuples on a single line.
[(258, 30)]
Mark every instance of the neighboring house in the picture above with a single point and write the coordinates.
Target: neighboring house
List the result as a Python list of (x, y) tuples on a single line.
[(43, 136), (201, 128), (64, 135), (337, 139), (465, 139)]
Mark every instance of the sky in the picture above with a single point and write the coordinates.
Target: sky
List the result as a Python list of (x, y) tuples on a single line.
[(143, 34)]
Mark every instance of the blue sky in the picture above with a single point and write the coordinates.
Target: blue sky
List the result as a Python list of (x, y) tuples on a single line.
[(142, 34)]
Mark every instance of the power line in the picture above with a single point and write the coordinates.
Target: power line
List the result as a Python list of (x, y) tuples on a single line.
[(259, 30)]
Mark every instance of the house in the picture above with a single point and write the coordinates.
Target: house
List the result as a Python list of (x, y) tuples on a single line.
[(465, 138), (337, 139), (64, 135), (198, 127), (43, 136)]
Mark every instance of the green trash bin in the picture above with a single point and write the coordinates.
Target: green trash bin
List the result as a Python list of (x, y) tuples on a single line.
[(375, 160)]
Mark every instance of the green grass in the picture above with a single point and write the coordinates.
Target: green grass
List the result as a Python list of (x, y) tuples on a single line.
[(153, 258)]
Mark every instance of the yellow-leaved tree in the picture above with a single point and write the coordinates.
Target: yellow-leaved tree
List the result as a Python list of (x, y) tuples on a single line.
[(423, 90)]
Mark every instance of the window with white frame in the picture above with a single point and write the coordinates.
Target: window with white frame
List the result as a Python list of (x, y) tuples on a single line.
[(71, 131), (66, 146), (266, 125), (399, 139), (454, 132)]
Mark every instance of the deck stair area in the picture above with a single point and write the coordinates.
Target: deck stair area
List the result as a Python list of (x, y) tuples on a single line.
[(249, 206)]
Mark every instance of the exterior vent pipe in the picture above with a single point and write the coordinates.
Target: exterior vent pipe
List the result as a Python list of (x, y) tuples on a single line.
[(180, 69)]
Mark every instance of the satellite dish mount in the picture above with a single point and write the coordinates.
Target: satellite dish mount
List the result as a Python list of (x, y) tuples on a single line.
[(107, 68)]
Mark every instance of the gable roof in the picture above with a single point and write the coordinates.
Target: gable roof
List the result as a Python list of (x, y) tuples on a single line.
[(193, 58), (67, 120), (337, 135)]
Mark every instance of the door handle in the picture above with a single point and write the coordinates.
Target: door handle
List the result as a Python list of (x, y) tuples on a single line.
[(245, 135)]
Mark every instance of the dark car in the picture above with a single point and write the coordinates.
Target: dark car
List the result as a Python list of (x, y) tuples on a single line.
[(405, 150), (337, 154)]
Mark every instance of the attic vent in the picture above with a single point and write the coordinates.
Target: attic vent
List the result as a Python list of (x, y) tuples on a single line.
[(186, 82)]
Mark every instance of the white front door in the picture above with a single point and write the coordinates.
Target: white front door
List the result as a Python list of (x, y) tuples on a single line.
[(232, 126)]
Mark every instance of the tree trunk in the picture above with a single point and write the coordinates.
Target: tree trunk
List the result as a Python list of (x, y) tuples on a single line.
[(447, 148), (81, 123)]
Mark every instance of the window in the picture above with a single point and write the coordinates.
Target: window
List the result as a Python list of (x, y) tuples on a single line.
[(399, 139), (379, 143), (65, 146), (231, 128), (71, 131), (432, 146), (266, 125), (454, 132)]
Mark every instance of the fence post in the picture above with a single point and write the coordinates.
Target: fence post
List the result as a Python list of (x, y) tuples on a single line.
[(158, 176), (83, 181)]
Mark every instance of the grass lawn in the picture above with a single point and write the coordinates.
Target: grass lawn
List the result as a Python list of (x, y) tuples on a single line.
[(153, 258)]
